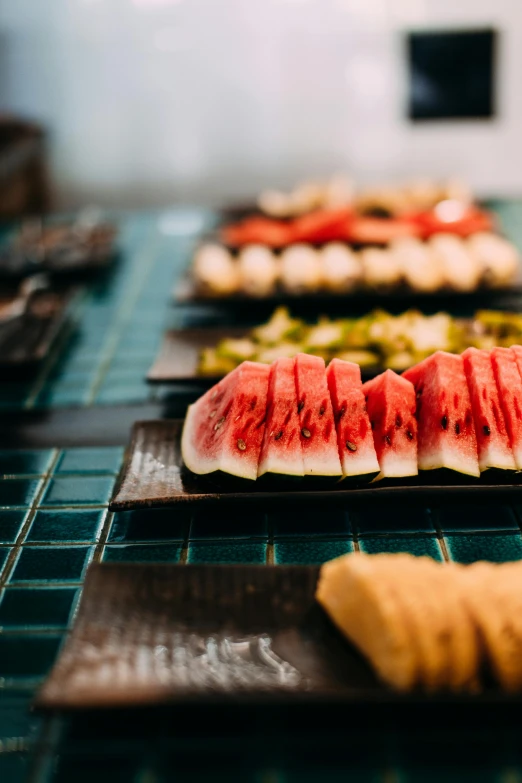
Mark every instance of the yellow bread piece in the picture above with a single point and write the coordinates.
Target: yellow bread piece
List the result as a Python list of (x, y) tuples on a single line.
[(493, 597), (368, 609)]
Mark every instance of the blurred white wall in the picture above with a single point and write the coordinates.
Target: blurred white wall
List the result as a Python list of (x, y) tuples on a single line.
[(155, 101)]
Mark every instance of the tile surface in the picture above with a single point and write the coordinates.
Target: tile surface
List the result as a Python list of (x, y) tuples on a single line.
[(309, 552), (24, 608), (51, 564), (226, 552), (142, 553), (419, 546), (78, 490), (71, 525), (496, 547)]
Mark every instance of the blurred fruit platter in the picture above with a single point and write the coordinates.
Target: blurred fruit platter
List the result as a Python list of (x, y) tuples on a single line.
[(422, 239), (376, 341)]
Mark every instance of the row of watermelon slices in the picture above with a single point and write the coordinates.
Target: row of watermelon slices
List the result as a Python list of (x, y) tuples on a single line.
[(299, 418)]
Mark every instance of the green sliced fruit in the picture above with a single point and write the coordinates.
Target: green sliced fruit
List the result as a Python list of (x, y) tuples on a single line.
[(285, 350), (326, 335), (241, 349), (362, 358), (210, 363), (280, 326)]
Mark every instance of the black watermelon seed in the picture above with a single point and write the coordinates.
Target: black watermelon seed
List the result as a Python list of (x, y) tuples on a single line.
[(300, 406), (306, 433), (486, 430), (351, 446), (241, 444), (321, 410), (444, 422), (409, 435), (279, 435), (387, 439), (457, 428), (398, 420), (341, 412)]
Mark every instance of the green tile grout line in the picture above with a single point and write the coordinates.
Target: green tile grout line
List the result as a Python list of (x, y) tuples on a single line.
[(17, 546)]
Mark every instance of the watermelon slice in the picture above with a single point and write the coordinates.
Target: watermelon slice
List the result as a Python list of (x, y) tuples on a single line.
[(509, 387), (282, 453), (318, 436), (354, 434), (390, 400), (224, 429), (517, 352), (494, 449), (446, 429)]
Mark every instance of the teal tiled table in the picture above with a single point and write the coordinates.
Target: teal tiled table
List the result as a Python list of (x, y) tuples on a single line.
[(54, 521), (57, 522), (117, 325)]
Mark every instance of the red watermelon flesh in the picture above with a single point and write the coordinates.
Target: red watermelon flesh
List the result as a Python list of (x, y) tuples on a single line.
[(390, 400), (224, 429), (445, 420), (354, 435), (282, 452), (517, 352), (318, 436), (509, 387), (494, 449)]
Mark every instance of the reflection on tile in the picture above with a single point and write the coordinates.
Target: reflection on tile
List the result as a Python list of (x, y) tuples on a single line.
[(227, 552), (228, 523), (78, 491), (18, 492), (10, 525), (496, 547), (28, 463), (393, 518), (310, 552), (27, 656), (106, 460), (311, 519), (476, 517), (71, 525), (415, 545), (142, 553), (151, 524), (51, 564), (22, 608)]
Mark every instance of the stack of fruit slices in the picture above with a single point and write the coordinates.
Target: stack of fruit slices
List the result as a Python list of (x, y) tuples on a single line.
[(299, 419)]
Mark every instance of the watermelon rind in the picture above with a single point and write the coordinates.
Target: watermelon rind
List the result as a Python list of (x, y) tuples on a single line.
[(318, 433), (442, 375), (494, 450), (356, 450), (223, 430), (281, 451), (509, 384), (198, 464), (396, 452)]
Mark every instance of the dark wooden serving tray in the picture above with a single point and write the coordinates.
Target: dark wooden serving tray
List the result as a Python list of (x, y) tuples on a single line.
[(186, 292), (76, 259), (178, 358), (155, 634), (153, 474), (27, 339)]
